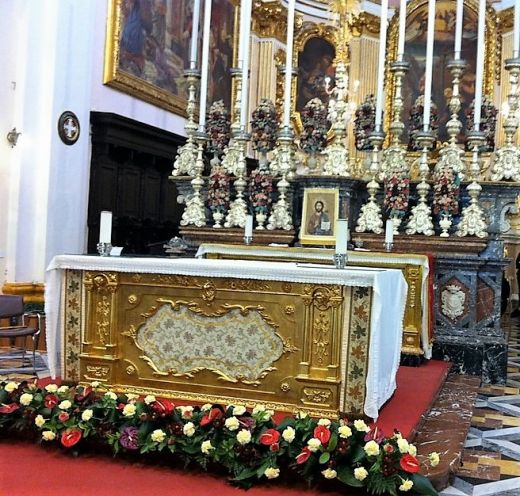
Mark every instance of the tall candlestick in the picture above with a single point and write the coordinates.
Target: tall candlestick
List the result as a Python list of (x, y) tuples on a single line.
[(341, 236), (288, 63), (105, 227), (194, 34), (246, 36), (479, 76), (402, 30), (429, 65), (205, 65), (458, 29), (381, 64), (516, 31)]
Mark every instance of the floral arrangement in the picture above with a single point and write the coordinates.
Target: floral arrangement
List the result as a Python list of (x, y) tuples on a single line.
[(218, 189), (264, 126), (260, 190), (315, 126), (218, 126), (446, 192), (397, 194), (365, 123), (248, 444), (488, 123), (415, 123)]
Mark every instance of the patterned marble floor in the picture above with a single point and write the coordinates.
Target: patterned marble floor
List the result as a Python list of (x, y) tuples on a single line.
[(491, 458)]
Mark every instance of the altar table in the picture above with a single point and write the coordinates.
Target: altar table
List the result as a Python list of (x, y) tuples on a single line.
[(291, 336)]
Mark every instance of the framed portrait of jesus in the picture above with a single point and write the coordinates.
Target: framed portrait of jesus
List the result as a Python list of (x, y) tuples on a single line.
[(320, 211)]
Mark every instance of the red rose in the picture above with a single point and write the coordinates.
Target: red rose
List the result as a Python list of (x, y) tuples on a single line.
[(388, 448), (12, 407), (70, 437), (63, 417), (409, 464), (269, 437), (51, 400), (322, 433), (303, 456), (214, 414), (275, 447), (163, 407)]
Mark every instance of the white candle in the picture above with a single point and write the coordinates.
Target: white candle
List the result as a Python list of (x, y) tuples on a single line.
[(381, 66), (249, 226), (288, 63), (341, 236), (516, 32), (402, 30), (429, 65), (479, 76), (389, 231), (244, 101), (458, 29), (194, 35), (205, 65), (105, 227)]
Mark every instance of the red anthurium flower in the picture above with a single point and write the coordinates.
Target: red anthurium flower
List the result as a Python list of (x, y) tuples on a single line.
[(10, 408), (70, 437), (322, 433), (214, 414), (269, 437), (51, 400), (84, 394), (63, 417), (303, 456), (409, 464), (163, 407)]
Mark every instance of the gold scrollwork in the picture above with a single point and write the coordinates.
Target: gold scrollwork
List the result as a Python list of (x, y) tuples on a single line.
[(248, 285), (209, 292), (103, 309), (97, 371), (315, 395), (101, 282), (321, 337), (322, 297)]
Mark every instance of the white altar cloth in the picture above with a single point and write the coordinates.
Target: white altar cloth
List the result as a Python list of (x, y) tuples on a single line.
[(388, 302)]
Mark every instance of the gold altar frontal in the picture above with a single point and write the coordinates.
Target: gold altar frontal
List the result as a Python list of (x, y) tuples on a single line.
[(291, 346)]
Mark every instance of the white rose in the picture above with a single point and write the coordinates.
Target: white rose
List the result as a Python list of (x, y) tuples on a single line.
[(206, 407), (313, 444), (360, 473), (239, 410), (361, 426), (65, 405), (39, 420), (63, 389), (11, 386), (243, 436), (158, 436), (289, 434), (206, 447), (403, 445), (129, 410), (186, 411), (371, 448), (406, 485), (26, 399), (111, 395), (329, 473), (412, 450), (51, 388), (95, 384), (258, 409), (324, 421), (48, 435), (149, 399), (344, 431), (189, 429), (232, 423), (87, 415), (434, 458), (272, 473), (132, 396)]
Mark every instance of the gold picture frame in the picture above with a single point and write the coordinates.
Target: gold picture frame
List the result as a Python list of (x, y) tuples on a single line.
[(319, 222)]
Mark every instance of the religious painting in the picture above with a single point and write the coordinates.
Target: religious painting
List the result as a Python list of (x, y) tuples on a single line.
[(320, 211), (148, 48)]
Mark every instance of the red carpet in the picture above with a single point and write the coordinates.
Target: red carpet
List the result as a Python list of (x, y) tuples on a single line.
[(53, 472)]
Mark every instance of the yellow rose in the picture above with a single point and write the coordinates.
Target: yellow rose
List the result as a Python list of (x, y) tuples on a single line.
[(243, 436), (403, 445), (189, 429), (111, 395), (289, 434), (39, 420), (412, 450), (232, 423), (329, 473), (206, 447), (65, 405), (272, 473), (48, 436), (239, 410), (313, 444), (63, 389), (26, 399), (51, 388), (324, 421), (361, 426), (132, 396), (87, 415), (434, 458), (11, 386), (344, 431), (129, 410), (158, 436), (371, 448), (406, 485), (360, 473), (149, 399)]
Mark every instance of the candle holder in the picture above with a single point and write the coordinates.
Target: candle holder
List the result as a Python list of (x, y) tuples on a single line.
[(236, 216), (388, 246), (340, 260), (195, 212), (187, 154), (230, 160), (421, 218), (370, 218), (282, 164), (506, 162), (248, 240), (473, 221), (104, 249)]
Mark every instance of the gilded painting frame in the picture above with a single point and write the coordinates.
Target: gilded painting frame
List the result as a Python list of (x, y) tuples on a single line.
[(319, 222), (174, 98)]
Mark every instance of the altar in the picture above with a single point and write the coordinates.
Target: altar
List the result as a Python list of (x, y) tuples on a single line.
[(291, 336)]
